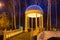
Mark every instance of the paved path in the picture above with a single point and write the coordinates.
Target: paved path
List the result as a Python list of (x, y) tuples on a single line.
[(22, 36)]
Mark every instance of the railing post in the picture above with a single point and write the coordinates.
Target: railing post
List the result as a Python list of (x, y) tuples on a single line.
[(4, 35)]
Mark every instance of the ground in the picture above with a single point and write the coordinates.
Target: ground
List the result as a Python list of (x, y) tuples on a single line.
[(23, 36)]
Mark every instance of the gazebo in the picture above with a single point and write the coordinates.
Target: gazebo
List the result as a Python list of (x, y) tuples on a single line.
[(33, 18)]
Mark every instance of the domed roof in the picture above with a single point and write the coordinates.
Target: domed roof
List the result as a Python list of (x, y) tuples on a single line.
[(34, 7)]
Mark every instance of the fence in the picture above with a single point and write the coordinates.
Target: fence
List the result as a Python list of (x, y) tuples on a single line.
[(48, 34), (11, 33)]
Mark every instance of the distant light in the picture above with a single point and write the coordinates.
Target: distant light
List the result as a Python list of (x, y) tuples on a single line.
[(1, 5), (34, 15)]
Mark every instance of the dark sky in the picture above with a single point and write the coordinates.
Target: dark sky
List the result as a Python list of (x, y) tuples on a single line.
[(43, 3)]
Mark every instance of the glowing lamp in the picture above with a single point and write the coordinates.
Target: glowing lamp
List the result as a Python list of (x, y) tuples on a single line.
[(1, 4)]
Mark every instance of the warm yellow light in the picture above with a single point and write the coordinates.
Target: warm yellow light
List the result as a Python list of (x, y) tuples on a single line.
[(1, 4), (34, 15)]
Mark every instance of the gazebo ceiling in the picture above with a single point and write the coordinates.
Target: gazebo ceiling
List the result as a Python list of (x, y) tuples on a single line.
[(34, 15)]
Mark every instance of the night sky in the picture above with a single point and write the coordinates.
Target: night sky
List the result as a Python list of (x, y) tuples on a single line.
[(21, 6)]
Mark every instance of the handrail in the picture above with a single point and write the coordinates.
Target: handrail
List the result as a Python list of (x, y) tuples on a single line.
[(48, 34), (11, 33)]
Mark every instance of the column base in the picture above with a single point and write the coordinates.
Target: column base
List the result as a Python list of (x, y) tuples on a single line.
[(26, 30)]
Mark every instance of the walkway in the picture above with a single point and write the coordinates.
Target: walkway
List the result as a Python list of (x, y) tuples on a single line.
[(21, 36)]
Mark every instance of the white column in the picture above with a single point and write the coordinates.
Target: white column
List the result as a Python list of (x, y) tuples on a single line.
[(32, 23), (28, 22), (31, 28), (26, 27), (42, 23), (36, 20), (39, 24)]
